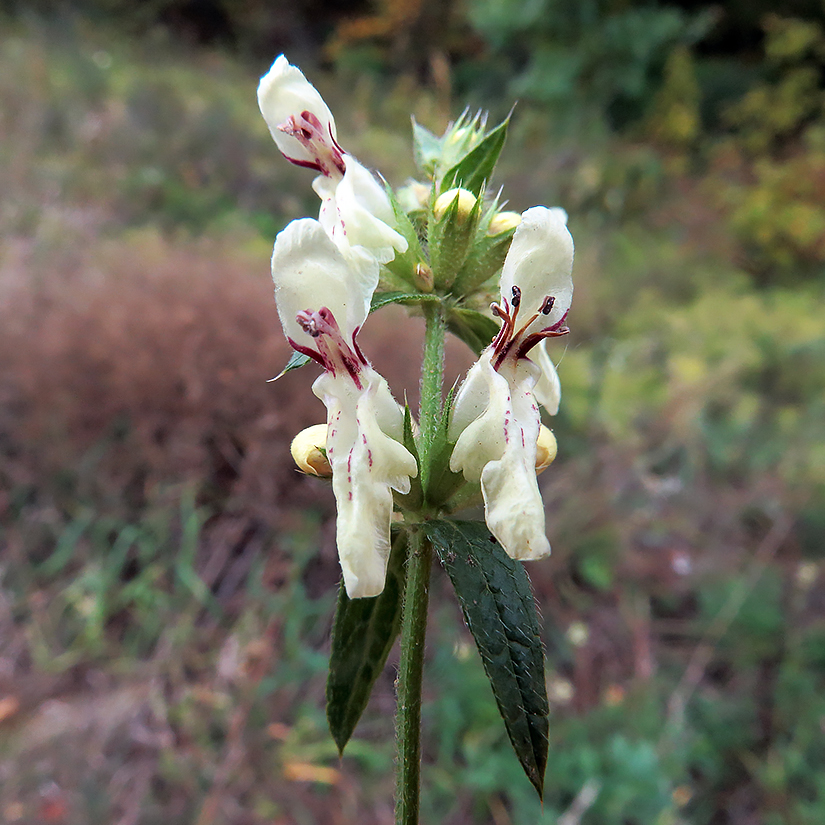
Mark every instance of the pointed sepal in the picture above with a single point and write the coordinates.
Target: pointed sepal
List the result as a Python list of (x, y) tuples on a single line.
[(475, 169)]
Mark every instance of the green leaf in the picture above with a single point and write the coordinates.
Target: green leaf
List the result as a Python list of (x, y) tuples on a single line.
[(476, 167), (297, 359), (472, 327), (363, 634), (381, 299), (495, 596)]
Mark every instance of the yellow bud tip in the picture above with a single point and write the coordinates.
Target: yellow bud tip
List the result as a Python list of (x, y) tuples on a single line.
[(503, 222), (546, 449), (308, 451), (466, 202)]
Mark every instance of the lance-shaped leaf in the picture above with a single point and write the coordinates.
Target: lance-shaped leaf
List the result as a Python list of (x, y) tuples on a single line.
[(476, 167), (495, 596), (363, 634)]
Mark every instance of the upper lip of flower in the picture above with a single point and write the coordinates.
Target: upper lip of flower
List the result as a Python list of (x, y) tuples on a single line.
[(299, 120), (536, 270)]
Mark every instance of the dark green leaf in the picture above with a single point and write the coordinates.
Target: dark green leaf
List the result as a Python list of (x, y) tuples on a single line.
[(380, 299), (495, 596), (476, 167), (474, 328), (297, 359), (363, 634)]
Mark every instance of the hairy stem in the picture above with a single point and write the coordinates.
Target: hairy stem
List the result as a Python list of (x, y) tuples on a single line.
[(410, 670), (432, 377), (416, 593)]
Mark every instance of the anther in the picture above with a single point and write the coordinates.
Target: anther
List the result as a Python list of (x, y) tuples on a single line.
[(516, 296), (547, 306), (308, 323)]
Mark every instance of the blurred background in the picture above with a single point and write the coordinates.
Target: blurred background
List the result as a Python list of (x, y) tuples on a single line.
[(167, 578)]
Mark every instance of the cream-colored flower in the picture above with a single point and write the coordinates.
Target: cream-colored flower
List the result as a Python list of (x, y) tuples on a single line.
[(495, 419), (355, 210), (323, 299)]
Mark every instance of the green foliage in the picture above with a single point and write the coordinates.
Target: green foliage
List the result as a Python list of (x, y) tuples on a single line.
[(675, 118), (598, 54), (778, 149), (363, 633), (497, 602)]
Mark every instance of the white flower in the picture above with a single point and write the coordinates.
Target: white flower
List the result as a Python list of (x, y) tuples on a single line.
[(355, 210), (495, 420), (323, 299)]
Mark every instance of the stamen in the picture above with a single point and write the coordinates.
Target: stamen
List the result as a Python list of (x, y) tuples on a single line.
[(525, 325), (506, 330), (308, 323), (547, 306), (332, 350), (308, 130)]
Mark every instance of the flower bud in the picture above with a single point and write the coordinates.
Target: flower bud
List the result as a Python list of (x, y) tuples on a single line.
[(423, 277), (413, 196), (546, 449), (503, 222), (466, 203), (309, 451)]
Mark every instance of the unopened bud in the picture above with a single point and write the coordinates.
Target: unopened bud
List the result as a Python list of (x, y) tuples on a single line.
[(503, 222), (466, 203), (546, 449), (413, 196), (423, 277), (309, 451)]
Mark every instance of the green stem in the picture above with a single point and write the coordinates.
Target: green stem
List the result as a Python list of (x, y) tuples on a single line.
[(432, 377), (410, 671), (416, 592)]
